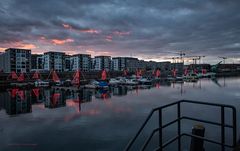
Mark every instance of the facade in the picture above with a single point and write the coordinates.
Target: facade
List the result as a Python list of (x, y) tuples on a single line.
[(37, 62), (80, 62), (67, 63), (119, 63), (101, 62), (179, 67), (18, 60), (54, 61), (228, 68), (132, 64), (199, 67), (18, 103)]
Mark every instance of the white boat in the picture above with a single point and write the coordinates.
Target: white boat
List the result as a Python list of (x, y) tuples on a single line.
[(145, 81), (192, 77), (122, 80), (114, 81), (179, 78), (170, 78), (92, 85), (40, 83), (131, 82)]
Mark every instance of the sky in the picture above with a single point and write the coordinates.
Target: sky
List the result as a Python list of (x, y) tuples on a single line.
[(147, 29)]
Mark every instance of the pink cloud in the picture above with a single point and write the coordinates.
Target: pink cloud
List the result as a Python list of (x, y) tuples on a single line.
[(109, 38), (67, 26), (89, 31), (19, 44), (121, 33), (61, 42)]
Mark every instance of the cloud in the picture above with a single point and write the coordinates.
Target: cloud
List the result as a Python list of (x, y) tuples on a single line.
[(121, 33), (61, 42), (109, 38), (206, 27), (90, 31)]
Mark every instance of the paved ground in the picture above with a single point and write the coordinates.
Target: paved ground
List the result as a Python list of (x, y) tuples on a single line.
[(238, 146)]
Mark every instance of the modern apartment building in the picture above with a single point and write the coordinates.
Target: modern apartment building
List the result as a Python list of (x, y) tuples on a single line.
[(132, 64), (80, 62), (178, 67), (37, 62), (102, 62), (67, 63), (54, 61), (119, 63), (14, 59)]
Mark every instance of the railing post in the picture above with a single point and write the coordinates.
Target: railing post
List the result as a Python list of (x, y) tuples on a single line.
[(160, 129), (197, 144), (179, 125), (234, 127), (222, 128)]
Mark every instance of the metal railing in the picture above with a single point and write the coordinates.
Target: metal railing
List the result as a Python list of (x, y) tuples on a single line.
[(179, 119)]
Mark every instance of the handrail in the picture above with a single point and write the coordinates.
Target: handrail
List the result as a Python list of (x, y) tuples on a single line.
[(178, 120)]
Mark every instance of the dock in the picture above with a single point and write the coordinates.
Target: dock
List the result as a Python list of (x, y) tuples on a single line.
[(72, 88)]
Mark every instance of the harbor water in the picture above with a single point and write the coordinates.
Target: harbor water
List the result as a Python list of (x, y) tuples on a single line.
[(105, 120)]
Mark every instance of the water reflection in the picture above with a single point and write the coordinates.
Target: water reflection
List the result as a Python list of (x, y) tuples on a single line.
[(18, 101), (98, 117)]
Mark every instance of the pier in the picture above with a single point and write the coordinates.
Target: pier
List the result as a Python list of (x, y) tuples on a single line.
[(72, 88)]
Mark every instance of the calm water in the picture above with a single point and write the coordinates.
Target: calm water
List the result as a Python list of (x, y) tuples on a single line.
[(46, 119)]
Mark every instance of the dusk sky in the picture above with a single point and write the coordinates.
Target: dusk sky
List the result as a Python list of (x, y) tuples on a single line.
[(148, 29)]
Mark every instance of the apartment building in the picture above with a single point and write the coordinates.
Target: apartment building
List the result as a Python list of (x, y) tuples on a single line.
[(80, 62), (14, 59)]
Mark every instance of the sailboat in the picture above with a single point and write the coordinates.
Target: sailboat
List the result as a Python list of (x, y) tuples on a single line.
[(103, 83), (157, 74), (38, 82), (76, 78), (19, 79)]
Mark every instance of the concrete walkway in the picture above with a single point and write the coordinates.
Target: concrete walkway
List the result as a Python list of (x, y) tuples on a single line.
[(238, 146)]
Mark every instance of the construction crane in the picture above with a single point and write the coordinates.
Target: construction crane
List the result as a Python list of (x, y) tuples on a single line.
[(224, 58), (174, 59), (194, 58), (177, 59)]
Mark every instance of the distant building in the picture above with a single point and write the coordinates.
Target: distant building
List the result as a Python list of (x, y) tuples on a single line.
[(54, 61), (37, 62), (18, 60), (163, 66), (132, 64), (119, 63), (67, 63), (178, 67), (54, 99), (199, 67), (101, 62), (81, 62), (228, 68)]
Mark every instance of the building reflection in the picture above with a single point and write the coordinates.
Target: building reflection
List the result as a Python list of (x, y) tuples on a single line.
[(17, 102), (37, 95), (102, 94), (119, 90), (54, 98)]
